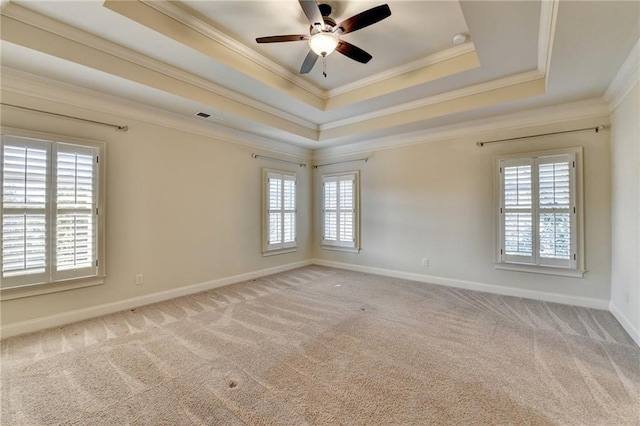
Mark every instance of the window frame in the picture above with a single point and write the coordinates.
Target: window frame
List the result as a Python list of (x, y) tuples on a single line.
[(354, 246), (269, 249), (574, 267), (59, 281)]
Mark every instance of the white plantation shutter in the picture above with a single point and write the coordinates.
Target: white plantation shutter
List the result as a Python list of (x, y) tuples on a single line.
[(76, 216), (280, 223), (49, 211), (289, 209), (25, 178), (340, 210), (275, 210), (347, 212), (556, 203), (330, 210), (518, 211), (538, 222)]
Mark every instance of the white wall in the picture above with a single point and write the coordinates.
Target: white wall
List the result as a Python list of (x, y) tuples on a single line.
[(182, 209), (436, 200), (625, 206)]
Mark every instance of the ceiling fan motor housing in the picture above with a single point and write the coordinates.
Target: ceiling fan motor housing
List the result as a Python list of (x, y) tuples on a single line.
[(329, 25), (325, 9)]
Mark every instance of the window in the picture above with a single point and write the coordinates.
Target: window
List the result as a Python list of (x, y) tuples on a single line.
[(539, 212), (50, 211), (279, 228), (340, 211)]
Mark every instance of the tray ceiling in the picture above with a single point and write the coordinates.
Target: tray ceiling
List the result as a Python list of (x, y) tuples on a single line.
[(191, 56)]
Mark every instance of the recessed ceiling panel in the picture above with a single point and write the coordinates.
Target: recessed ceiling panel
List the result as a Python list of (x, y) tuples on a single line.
[(414, 30)]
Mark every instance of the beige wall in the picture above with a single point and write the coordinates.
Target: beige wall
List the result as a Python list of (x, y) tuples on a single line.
[(182, 209), (185, 209), (625, 204), (436, 200)]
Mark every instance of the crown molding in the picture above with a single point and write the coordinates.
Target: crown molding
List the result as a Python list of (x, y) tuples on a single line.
[(148, 16), (45, 89), (436, 99), (52, 26), (627, 76), (546, 33), (547, 26), (104, 47), (41, 88), (555, 114), (215, 34), (435, 58)]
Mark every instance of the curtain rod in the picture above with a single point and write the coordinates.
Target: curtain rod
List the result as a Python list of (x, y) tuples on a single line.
[(123, 128), (597, 130), (365, 159), (278, 159)]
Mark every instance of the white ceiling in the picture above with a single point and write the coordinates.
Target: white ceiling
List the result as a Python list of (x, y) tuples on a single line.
[(191, 56)]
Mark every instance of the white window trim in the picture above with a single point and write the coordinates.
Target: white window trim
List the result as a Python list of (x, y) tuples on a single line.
[(577, 227), (28, 290), (280, 248), (337, 246)]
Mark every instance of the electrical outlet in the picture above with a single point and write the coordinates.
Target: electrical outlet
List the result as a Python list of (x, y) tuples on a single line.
[(425, 262), (139, 279)]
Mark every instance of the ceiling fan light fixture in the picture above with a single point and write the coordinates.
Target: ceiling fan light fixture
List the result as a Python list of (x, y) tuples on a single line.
[(323, 43)]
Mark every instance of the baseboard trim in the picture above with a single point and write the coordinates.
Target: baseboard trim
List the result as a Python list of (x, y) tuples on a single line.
[(63, 318), (625, 323), (57, 320), (586, 302)]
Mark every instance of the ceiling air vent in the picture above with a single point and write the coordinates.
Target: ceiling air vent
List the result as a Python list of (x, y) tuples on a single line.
[(208, 116)]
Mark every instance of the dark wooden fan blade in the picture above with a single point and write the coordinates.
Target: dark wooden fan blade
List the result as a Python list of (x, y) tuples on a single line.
[(353, 52), (281, 38), (312, 12), (364, 19), (309, 62)]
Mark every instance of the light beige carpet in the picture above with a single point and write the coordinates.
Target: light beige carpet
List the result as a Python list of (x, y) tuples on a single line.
[(323, 346)]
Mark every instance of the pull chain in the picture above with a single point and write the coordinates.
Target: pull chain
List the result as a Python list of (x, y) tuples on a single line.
[(324, 66)]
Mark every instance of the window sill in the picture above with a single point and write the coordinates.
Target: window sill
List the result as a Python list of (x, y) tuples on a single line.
[(46, 288), (279, 251), (545, 270), (345, 249)]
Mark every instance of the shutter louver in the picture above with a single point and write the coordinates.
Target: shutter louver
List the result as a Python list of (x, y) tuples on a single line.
[(23, 245)]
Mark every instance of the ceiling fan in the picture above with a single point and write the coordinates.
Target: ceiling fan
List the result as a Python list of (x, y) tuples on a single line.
[(324, 34)]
